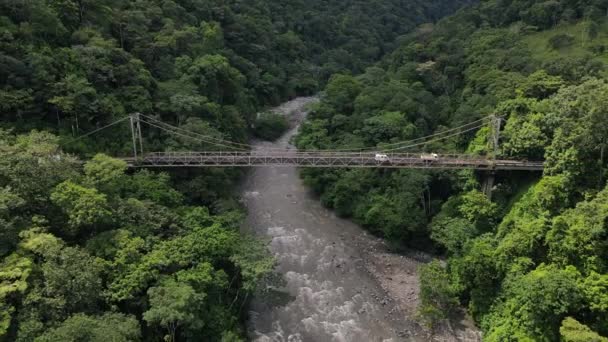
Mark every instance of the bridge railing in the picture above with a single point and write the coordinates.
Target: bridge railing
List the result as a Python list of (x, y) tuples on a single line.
[(328, 159), (271, 153)]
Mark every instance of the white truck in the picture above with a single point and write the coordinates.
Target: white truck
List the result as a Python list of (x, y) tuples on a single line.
[(429, 156), (382, 158)]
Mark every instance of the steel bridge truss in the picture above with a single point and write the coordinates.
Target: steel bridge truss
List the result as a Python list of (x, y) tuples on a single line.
[(326, 160)]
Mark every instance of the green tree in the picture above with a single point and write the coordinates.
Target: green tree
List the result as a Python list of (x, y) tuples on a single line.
[(478, 209), (452, 233), (535, 304), (437, 296), (108, 327), (105, 173), (341, 92), (84, 206), (573, 331), (171, 306), (10, 222), (73, 277), (146, 185), (541, 85), (75, 97), (576, 235), (14, 273), (561, 41), (270, 126)]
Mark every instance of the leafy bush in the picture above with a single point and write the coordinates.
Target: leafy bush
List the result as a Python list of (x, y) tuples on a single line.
[(437, 295), (270, 126), (573, 331), (561, 41)]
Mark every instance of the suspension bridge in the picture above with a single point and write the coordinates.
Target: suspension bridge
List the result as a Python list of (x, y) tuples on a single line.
[(225, 153), (326, 160)]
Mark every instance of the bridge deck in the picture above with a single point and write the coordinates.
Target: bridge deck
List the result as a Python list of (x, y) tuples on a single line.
[(325, 160)]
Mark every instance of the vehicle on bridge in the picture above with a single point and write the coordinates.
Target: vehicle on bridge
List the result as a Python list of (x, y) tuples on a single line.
[(429, 156), (383, 158)]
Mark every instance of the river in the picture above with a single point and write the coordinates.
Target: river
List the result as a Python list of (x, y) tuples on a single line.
[(340, 283)]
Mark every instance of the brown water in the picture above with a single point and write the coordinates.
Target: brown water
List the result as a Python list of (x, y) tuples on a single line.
[(331, 295)]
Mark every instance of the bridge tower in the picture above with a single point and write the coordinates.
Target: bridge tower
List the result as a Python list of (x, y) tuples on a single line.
[(136, 135), (495, 125), (489, 177)]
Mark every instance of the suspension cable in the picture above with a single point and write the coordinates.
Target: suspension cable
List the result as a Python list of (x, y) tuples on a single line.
[(223, 141), (226, 143), (374, 148), (98, 129), (432, 140), (190, 137)]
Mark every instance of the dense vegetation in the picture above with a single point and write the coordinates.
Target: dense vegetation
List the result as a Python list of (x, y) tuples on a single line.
[(531, 264), (91, 253), (73, 65), (94, 254)]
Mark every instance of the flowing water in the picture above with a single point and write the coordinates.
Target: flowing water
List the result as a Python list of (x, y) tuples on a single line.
[(330, 295)]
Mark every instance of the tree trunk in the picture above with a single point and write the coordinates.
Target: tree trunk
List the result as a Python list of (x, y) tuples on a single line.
[(80, 12), (423, 200), (122, 40), (428, 190), (172, 329), (232, 281), (601, 181), (243, 304), (238, 292)]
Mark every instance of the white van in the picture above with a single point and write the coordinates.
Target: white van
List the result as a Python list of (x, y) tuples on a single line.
[(382, 158), (429, 156)]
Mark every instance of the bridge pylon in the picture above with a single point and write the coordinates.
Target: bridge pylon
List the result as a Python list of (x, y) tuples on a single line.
[(489, 177), (495, 126), (136, 135)]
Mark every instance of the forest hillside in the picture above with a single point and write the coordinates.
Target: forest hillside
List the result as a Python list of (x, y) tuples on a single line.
[(531, 263), (91, 251)]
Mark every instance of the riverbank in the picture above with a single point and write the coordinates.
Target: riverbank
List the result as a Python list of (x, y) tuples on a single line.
[(398, 276)]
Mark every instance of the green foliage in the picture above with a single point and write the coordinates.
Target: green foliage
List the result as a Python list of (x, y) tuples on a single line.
[(105, 172), (561, 41), (108, 327), (270, 126), (252, 258), (452, 233), (74, 278), (102, 254), (577, 235), (171, 306), (437, 295), (476, 207), (531, 257), (146, 185), (14, 273), (32, 166), (480, 145), (524, 228), (341, 92), (74, 66), (534, 305), (540, 85), (573, 331), (84, 206)]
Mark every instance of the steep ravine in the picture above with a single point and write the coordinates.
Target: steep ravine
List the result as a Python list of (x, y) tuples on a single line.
[(341, 283)]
